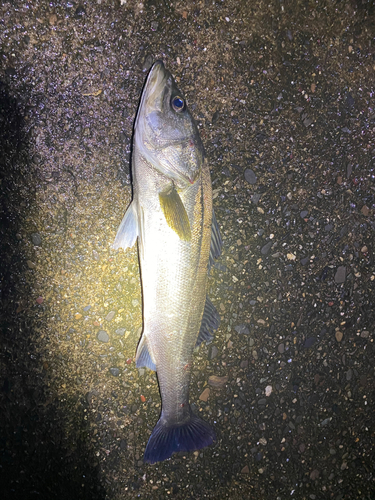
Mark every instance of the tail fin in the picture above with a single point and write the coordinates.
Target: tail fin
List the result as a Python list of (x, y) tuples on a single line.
[(167, 439)]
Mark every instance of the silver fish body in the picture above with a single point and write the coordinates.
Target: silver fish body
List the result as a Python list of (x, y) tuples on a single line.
[(178, 237)]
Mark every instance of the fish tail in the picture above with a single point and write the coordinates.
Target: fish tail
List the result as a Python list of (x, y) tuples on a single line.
[(167, 439)]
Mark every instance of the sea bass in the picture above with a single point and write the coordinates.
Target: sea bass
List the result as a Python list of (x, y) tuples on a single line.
[(178, 238)]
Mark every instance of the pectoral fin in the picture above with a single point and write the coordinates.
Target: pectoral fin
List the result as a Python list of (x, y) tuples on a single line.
[(175, 213)]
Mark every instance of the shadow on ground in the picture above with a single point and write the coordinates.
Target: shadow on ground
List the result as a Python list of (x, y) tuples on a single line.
[(36, 461)]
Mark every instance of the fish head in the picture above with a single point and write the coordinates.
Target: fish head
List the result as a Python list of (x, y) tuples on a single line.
[(165, 132)]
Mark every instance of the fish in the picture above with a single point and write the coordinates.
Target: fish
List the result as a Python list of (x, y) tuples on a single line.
[(171, 216)]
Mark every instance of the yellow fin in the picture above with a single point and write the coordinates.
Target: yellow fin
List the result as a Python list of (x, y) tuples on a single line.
[(175, 213)]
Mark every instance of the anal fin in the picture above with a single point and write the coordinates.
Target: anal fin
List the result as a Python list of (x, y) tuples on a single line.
[(210, 322), (143, 357)]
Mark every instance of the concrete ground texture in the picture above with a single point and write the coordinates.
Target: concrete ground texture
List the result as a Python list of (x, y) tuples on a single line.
[(283, 93)]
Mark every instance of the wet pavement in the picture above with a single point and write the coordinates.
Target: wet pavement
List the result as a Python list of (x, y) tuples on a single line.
[(284, 96)]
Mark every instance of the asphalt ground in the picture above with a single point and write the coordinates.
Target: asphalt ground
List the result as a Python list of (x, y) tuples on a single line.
[(283, 94)]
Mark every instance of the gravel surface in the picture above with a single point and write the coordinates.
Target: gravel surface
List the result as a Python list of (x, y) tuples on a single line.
[(284, 96)]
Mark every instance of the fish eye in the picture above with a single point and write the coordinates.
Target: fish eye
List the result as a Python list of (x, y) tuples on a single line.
[(178, 103)]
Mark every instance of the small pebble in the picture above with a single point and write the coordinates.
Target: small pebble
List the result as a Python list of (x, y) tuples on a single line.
[(314, 474), (103, 336), (266, 248), (268, 390), (307, 121), (242, 329), (340, 275), (80, 12), (52, 19), (205, 394), (309, 342), (217, 382), (305, 260), (120, 331), (338, 335), (255, 198), (365, 210), (349, 169), (325, 422), (115, 371), (281, 348), (110, 316), (147, 62), (90, 394), (214, 352), (250, 176), (36, 239)]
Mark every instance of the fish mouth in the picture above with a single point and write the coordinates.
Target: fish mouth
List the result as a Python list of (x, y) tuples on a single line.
[(156, 78), (154, 86)]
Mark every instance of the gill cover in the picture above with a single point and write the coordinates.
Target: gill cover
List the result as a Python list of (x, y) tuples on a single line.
[(165, 132)]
